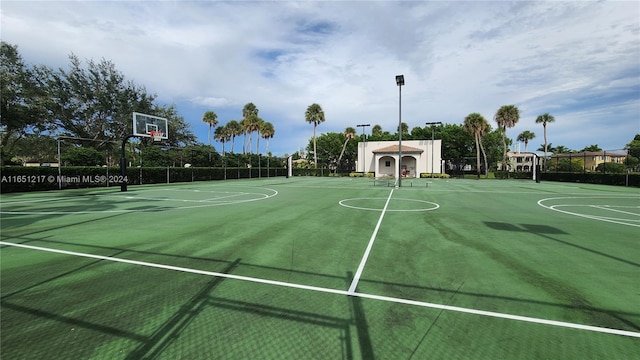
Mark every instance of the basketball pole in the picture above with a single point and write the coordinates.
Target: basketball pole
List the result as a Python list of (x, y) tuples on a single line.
[(123, 164)]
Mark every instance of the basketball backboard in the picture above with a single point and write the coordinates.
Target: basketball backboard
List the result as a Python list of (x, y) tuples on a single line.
[(144, 124)]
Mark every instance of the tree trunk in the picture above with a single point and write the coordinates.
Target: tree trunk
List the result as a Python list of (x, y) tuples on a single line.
[(315, 152), (544, 128), (477, 155), (486, 165), (504, 147), (344, 146)]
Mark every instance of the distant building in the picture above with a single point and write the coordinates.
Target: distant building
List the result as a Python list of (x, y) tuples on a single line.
[(591, 159), (381, 158), (517, 161)]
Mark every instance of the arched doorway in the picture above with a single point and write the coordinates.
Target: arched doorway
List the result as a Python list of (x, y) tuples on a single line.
[(386, 166), (409, 167)]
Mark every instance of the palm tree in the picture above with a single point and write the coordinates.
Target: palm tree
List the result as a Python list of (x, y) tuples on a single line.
[(210, 118), (525, 136), (234, 129), (257, 126), (244, 128), (249, 111), (376, 130), (544, 119), (506, 117), (314, 115), (349, 133), (477, 126), (221, 134), (268, 132)]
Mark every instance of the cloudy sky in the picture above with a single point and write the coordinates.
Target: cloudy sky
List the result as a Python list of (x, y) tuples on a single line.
[(579, 61)]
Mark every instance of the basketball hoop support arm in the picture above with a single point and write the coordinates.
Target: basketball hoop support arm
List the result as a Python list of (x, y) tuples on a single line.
[(123, 164)]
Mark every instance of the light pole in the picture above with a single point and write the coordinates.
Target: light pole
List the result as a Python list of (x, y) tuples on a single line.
[(432, 159), (364, 147), (400, 83)]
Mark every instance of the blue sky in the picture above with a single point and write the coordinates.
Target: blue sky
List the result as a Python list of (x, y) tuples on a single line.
[(578, 60)]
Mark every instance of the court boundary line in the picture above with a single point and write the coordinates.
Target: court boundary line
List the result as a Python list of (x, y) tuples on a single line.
[(201, 204), (340, 292), (586, 216), (363, 261), (343, 204)]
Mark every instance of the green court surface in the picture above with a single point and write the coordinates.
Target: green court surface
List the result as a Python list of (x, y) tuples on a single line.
[(322, 268)]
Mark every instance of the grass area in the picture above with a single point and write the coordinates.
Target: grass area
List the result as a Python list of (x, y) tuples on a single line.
[(322, 268)]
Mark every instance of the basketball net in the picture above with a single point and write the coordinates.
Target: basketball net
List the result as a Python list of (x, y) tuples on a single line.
[(156, 135)]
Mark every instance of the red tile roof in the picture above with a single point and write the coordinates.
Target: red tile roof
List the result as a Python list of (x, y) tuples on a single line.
[(394, 149)]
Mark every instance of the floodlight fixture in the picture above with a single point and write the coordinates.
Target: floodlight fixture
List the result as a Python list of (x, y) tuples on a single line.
[(400, 83)]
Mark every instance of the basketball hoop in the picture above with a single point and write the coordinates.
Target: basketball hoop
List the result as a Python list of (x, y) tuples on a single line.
[(156, 135)]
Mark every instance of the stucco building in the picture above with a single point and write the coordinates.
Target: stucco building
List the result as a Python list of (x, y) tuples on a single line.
[(591, 159), (418, 156)]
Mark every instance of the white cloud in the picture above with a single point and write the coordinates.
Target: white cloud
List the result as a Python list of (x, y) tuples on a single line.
[(574, 59)]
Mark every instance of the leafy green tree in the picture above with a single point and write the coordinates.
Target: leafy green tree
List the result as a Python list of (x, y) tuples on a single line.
[(506, 117), (567, 165), (611, 168), (634, 146), (477, 126), (152, 156), (545, 119), (632, 162), (329, 146), (211, 118), (633, 149), (83, 156), (180, 133), (35, 148), (420, 133), (457, 144), (524, 137), (22, 99), (95, 102), (197, 155), (492, 143), (314, 115)]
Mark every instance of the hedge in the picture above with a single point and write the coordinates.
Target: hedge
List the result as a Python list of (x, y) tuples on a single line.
[(21, 179)]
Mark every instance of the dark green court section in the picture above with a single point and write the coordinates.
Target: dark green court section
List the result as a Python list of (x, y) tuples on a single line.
[(552, 251)]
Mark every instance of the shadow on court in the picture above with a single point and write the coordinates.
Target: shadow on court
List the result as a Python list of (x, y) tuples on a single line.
[(544, 231), (179, 327), (176, 327)]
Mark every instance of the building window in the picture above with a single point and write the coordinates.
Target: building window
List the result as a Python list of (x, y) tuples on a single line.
[(387, 163)]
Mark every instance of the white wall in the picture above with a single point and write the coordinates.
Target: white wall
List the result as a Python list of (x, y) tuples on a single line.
[(367, 159)]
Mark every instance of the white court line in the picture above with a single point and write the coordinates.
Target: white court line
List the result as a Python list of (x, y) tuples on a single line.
[(609, 208), (341, 292), (203, 203), (356, 278)]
